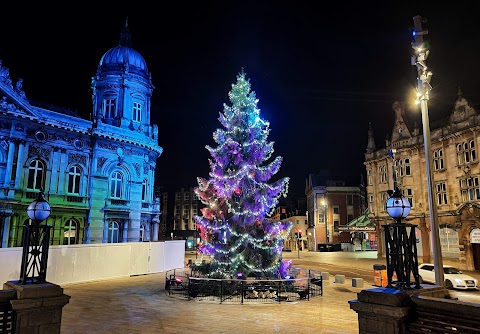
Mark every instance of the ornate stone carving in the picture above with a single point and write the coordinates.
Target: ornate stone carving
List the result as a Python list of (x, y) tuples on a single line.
[(100, 162), (137, 168), (77, 158), (39, 152)]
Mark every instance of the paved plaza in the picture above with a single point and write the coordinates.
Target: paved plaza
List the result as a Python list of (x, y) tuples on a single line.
[(139, 304)]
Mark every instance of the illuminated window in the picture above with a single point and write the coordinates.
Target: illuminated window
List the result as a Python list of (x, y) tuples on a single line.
[(74, 175), (448, 239), (70, 232), (36, 175)]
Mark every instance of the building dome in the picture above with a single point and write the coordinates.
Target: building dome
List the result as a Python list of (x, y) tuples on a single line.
[(123, 57)]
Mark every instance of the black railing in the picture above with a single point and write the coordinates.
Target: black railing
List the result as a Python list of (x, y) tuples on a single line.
[(36, 241), (189, 284)]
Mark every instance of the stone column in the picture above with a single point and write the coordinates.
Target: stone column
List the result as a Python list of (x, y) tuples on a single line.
[(38, 307), (8, 170)]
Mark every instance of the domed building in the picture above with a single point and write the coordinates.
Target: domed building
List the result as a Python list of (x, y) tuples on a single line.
[(98, 174)]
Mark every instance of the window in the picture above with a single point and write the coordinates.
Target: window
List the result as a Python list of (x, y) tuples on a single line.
[(74, 175), (70, 232), (382, 171), (116, 184), (349, 199), (109, 108), (113, 232), (438, 160), (402, 167), (470, 189), (441, 193), (384, 198), (349, 218), (370, 198), (408, 170), (144, 190), (142, 232), (466, 152), (137, 112), (36, 175), (336, 210), (408, 193), (298, 222), (336, 225), (369, 177)]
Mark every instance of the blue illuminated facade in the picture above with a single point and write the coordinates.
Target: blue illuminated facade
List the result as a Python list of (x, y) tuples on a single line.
[(98, 174)]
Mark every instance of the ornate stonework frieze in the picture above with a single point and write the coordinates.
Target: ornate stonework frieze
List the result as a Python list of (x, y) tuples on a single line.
[(137, 168), (77, 158), (39, 152), (100, 162)]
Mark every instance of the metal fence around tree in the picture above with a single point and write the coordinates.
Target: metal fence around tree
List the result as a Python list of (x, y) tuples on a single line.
[(190, 284)]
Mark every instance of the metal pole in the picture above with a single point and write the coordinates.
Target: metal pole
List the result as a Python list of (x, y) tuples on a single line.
[(423, 91)]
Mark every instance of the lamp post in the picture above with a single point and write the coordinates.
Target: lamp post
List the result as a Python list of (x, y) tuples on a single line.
[(36, 241), (423, 78), (401, 243), (324, 203)]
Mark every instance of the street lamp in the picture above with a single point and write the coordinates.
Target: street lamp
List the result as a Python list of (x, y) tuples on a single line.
[(401, 243), (36, 241), (423, 89)]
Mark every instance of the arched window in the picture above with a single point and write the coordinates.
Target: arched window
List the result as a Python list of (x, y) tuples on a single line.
[(116, 185), (438, 159), (74, 175), (36, 175), (70, 232), (113, 232), (144, 190)]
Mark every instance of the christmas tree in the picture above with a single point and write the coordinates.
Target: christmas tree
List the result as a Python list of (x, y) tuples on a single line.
[(234, 226)]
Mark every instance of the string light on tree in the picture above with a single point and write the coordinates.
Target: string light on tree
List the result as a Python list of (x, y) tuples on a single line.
[(234, 226)]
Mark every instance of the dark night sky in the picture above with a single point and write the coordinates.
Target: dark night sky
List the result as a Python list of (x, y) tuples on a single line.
[(321, 73)]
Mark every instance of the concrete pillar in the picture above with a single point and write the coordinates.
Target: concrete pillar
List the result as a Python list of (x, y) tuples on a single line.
[(38, 307)]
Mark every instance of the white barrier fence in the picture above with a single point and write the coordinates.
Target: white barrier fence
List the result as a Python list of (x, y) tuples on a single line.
[(83, 263)]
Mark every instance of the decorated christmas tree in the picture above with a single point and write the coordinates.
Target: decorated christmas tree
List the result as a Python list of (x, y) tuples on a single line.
[(235, 228)]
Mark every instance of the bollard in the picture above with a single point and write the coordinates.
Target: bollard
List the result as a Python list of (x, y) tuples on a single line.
[(340, 279), (357, 282)]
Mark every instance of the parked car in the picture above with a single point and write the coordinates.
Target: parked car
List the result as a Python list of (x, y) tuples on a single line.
[(454, 278)]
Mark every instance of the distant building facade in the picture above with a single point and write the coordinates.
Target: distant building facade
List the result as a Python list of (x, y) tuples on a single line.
[(456, 174), (331, 206), (98, 174), (186, 206)]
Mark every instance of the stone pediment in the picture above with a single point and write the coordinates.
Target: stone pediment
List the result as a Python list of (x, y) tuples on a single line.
[(12, 99), (400, 130), (462, 110)]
